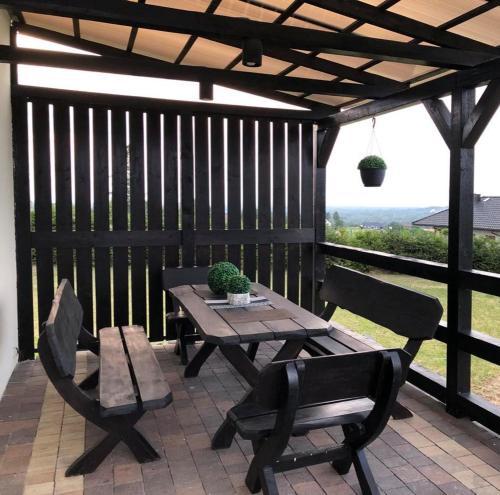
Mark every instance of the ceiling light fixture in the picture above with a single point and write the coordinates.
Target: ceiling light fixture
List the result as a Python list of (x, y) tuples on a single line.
[(252, 52)]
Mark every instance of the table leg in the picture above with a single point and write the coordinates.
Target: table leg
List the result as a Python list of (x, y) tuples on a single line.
[(290, 350), (252, 350), (193, 367), (241, 362)]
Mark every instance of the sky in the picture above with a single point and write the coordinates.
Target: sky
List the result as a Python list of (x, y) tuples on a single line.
[(415, 153)]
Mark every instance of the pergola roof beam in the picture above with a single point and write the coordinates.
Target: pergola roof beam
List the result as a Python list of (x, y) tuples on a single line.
[(102, 49), (402, 25), (161, 69), (182, 21)]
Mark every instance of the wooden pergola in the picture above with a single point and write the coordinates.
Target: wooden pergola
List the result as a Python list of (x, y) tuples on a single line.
[(339, 60)]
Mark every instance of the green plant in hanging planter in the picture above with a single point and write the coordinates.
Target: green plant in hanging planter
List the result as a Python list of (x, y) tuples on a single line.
[(371, 162), (219, 275), (372, 168)]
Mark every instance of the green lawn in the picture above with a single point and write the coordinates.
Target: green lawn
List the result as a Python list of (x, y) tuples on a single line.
[(432, 355)]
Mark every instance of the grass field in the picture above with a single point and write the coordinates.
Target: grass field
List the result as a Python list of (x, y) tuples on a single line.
[(432, 355)]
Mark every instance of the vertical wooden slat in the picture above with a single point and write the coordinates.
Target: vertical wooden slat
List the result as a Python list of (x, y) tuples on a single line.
[(43, 206), (155, 295), (293, 190), (279, 204), (234, 185), (23, 227), (137, 216), (264, 194), (83, 221), (460, 249), (202, 186), (249, 204), (307, 217), (120, 215), (63, 200), (101, 217), (187, 190), (217, 177), (170, 178)]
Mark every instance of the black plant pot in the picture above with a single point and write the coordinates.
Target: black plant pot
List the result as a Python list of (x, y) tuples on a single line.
[(372, 177)]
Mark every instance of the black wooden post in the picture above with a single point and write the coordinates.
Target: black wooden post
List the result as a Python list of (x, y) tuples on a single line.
[(325, 140), (459, 248)]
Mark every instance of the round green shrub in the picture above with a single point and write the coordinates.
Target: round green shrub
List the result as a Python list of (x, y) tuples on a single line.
[(219, 275), (372, 161), (239, 284)]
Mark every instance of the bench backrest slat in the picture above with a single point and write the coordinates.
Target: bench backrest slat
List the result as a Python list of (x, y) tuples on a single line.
[(404, 311), (325, 379), (63, 327)]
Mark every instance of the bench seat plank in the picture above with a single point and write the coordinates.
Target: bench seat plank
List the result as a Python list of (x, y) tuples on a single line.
[(153, 388), (259, 424), (116, 390)]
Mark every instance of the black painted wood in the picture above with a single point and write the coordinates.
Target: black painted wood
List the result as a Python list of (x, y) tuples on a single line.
[(293, 210), (295, 397), (234, 184), (171, 219), (63, 200), (22, 204), (154, 222), (279, 261), (441, 116), (202, 205), (82, 212), (307, 217), (120, 214), (264, 216), (137, 214), (218, 211), (187, 190), (43, 206), (460, 250), (249, 197), (101, 216)]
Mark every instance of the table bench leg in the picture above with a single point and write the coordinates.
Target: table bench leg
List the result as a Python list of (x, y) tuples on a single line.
[(224, 435), (193, 367)]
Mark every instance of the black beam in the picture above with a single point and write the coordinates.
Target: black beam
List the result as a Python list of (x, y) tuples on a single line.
[(429, 270), (460, 250), (139, 67), (183, 21), (481, 410), (326, 141), (167, 106), (482, 114), (102, 49), (402, 25), (435, 88), (481, 281), (441, 116)]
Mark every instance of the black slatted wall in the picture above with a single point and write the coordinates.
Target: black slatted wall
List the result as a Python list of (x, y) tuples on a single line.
[(108, 196)]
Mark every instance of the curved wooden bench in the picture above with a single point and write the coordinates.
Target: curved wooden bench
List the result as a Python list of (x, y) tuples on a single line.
[(129, 377)]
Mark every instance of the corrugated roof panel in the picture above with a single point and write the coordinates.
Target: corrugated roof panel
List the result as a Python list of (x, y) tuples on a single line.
[(484, 27), (210, 54), (235, 8), (399, 72), (60, 24), (316, 13), (159, 44)]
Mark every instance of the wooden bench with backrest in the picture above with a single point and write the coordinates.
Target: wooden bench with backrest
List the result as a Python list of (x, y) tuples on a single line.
[(405, 312), (130, 381), (356, 391), (179, 327)]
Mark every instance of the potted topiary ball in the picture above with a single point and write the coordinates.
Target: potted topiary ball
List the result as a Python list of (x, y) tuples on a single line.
[(219, 275), (238, 290), (372, 169)]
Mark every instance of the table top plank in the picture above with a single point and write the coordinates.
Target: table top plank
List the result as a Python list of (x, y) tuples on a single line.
[(212, 327), (153, 388), (116, 390), (313, 324)]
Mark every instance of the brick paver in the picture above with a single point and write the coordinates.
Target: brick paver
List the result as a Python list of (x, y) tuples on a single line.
[(431, 453)]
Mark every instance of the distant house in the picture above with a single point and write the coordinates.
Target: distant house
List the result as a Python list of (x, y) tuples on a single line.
[(486, 216), (372, 225)]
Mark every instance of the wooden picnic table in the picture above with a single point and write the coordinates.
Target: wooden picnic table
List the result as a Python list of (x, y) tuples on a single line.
[(228, 329)]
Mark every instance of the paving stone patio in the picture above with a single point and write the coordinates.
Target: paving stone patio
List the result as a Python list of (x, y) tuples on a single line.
[(431, 453)]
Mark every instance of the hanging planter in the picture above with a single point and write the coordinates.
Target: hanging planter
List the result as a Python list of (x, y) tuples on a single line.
[(372, 167)]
